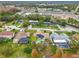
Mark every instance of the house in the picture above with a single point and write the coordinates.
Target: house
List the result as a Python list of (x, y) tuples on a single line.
[(21, 37), (41, 35), (54, 35), (6, 34), (9, 28), (62, 36), (33, 21), (23, 40), (61, 40)]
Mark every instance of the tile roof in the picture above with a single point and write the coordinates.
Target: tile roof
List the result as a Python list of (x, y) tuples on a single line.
[(6, 33), (20, 35)]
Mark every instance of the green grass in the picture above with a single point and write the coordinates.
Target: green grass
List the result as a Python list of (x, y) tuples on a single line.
[(15, 31), (13, 50), (46, 26), (1, 30), (31, 31), (70, 51), (68, 33), (33, 38), (10, 23), (53, 49), (53, 27)]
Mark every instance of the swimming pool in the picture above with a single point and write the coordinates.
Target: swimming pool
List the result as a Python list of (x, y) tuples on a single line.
[(63, 45)]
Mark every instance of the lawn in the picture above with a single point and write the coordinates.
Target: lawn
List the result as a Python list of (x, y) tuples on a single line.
[(33, 38), (46, 26), (70, 51), (68, 33), (31, 31), (13, 50), (1, 30)]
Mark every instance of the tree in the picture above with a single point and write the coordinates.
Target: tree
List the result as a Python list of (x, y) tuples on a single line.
[(53, 49), (58, 53), (28, 50), (47, 18), (26, 22), (66, 55), (34, 53), (7, 51)]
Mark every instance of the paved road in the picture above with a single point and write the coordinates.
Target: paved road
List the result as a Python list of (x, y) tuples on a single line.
[(61, 29), (49, 29)]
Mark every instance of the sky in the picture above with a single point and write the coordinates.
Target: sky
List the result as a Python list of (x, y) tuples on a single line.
[(39, 0)]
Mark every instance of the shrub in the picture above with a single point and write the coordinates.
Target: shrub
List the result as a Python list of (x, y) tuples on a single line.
[(7, 51), (28, 50)]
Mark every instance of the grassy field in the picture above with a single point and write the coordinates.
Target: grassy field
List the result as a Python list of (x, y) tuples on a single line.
[(46, 26)]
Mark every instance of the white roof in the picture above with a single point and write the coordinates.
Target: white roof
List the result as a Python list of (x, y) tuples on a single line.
[(32, 21), (27, 13), (59, 41)]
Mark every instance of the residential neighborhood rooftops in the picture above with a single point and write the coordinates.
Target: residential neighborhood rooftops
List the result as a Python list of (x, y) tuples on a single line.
[(20, 35), (59, 41), (41, 34), (60, 37), (54, 35), (32, 21), (6, 34), (23, 40)]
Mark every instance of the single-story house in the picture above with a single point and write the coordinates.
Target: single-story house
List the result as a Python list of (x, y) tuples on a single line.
[(9, 28), (61, 40), (33, 21), (21, 37), (41, 35), (23, 40), (6, 34), (62, 36)]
